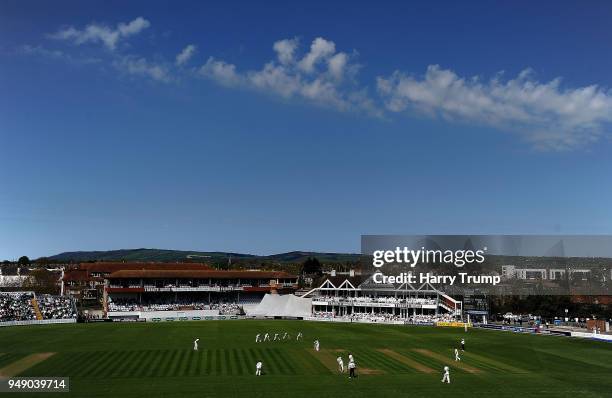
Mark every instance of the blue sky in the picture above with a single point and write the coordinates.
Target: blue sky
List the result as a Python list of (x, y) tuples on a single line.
[(300, 127)]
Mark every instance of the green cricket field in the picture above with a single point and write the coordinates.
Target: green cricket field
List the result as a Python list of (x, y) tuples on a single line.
[(158, 360)]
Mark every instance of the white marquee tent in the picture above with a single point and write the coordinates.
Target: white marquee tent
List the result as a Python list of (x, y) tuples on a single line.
[(287, 305)]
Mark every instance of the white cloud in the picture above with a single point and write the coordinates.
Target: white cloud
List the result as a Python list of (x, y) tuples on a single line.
[(44, 52), (546, 114), (285, 50), (140, 66), (288, 76), (97, 33), (337, 65), (185, 55), (221, 72), (320, 49)]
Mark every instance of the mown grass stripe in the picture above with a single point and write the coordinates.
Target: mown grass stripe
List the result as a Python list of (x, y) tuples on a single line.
[(284, 361), (449, 361), (120, 365), (110, 365), (499, 365), (197, 364), (313, 364), (407, 361), (240, 365), (8, 358), (209, 358), (229, 363), (69, 364), (427, 361), (166, 364), (94, 363), (156, 364), (145, 363), (378, 361), (251, 358), (217, 363), (270, 359), (184, 368), (135, 364), (179, 362), (120, 368), (192, 363)]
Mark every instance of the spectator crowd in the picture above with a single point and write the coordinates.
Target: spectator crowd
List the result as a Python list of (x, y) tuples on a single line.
[(19, 306)]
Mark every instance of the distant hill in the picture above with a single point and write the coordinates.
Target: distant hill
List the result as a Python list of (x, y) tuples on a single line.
[(162, 255)]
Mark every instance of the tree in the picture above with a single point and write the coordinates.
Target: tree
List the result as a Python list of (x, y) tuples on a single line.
[(312, 266), (42, 281), (23, 260), (43, 261)]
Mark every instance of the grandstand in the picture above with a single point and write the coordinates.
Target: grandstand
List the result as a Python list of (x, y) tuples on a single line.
[(156, 294), (27, 307), (359, 298)]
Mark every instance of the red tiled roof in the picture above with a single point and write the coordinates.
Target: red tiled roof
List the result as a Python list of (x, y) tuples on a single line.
[(77, 275), (183, 273)]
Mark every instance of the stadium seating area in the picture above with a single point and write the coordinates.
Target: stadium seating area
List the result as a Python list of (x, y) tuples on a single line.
[(16, 307), (384, 317), (123, 305), (386, 300), (56, 307)]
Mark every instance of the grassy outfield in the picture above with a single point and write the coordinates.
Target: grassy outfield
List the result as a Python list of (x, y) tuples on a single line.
[(157, 360)]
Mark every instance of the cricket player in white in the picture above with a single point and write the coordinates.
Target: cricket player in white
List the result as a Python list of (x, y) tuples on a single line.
[(316, 345), (351, 366), (266, 337), (299, 336), (285, 336), (258, 338), (462, 344), (446, 377), (457, 358), (276, 337), (195, 344), (340, 364), (258, 366)]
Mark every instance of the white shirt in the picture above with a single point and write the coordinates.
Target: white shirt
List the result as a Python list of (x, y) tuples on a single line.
[(258, 365), (339, 360)]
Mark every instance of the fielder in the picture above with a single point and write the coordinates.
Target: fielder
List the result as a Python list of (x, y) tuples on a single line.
[(258, 338), (276, 337), (285, 336), (446, 377), (266, 337), (351, 367), (462, 344), (340, 364), (195, 344), (316, 345), (457, 358), (299, 336), (258, 366)]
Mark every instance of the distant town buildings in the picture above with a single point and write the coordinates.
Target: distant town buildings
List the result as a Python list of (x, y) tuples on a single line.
[(514, 272)]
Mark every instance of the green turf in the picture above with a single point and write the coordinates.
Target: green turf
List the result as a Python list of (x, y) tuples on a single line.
[(157, 360)]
